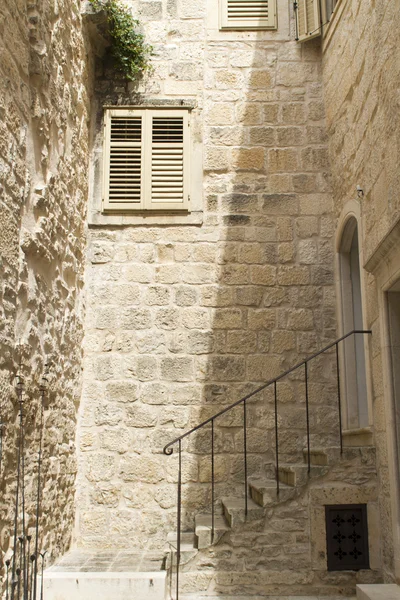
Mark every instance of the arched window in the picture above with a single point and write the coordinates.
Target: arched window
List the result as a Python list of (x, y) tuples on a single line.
[(353, 355)]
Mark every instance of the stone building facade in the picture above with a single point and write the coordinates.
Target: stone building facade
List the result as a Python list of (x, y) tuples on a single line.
[(45, 99), (293, 151)]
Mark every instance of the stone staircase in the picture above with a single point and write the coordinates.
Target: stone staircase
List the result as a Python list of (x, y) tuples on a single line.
[(269, 551)]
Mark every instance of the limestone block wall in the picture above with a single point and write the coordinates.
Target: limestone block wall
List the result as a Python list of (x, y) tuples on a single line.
[(361, 72), (43, 183), (184, 319)]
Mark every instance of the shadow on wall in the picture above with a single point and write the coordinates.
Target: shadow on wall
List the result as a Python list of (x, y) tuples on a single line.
[(213, 311)]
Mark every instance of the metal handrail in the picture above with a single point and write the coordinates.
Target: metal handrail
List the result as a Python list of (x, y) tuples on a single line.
[(168, 449)]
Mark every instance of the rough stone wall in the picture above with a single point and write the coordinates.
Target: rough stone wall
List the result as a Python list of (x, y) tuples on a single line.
[(43, 173), (361, 73), (182, 320)]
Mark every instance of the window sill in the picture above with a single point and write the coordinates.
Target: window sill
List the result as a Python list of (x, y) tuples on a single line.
[(99, 219)]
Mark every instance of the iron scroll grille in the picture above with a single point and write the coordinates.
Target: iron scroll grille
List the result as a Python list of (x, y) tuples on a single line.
[(347, 537)]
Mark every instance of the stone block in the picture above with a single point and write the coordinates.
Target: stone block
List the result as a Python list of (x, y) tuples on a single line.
[(290, 136), (248, 159), (154, 393), (239, 342), (270, 113), (227, 368), (115, 440), (157, 295), (249, 295), (196, 318), (216, 296), (262, 136), (100, 467), (139, 272), (141, 416), (221, 113), (293, 275), (198, 273), (293, 113), (261, 79), (248, 114), (168, 274), (286, 252), (314, 159), (227, 318), (283, 160), (280, 204), (177, 368), (307, 252), (185, 296), (150, 10), (200, 342), (239, 203), (236, 275), (216, 159), (263, 318), (306, 227), (142, 468), (121, 391), (262, 274), (135, 318), (225, 79), (186, 71), (167, 318), (301, 319)]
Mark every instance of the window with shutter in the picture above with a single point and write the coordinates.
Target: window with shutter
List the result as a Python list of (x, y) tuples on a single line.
[(146, 160), (308, 19), (248, 14)]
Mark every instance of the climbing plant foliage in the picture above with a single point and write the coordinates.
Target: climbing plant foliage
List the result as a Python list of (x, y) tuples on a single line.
[(128, 47)]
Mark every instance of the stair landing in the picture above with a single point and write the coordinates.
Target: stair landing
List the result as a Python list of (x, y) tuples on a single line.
[(84, 575)]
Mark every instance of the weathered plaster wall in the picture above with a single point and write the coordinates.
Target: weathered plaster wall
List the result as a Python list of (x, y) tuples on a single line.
[(43, 172), (361, 70), (182, 320)]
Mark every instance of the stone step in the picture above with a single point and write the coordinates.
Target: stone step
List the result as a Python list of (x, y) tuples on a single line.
[(296, 475), (332, 454), (377, 591), (264, 491), (188, 547), (108, 575), (235, 513), (203, 530), (228, 597), (318, 456), (104, 585), (358, 437)]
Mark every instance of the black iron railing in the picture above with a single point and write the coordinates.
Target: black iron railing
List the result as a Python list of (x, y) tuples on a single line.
[(168, 449), (22, 566)]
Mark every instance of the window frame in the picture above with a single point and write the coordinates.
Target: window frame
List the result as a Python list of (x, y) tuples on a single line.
[(146, 205), (225, 24)]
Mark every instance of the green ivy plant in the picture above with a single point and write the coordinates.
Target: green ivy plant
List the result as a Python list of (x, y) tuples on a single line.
[(128, 47)]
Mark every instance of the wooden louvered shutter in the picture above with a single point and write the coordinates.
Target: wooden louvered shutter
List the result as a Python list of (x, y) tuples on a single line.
[(308, 19), (123, 160), (167, 160), (248, 14)]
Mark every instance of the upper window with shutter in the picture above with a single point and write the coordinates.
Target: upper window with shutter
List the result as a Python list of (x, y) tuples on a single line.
[(308, 19), (146, 160), (248, 14)]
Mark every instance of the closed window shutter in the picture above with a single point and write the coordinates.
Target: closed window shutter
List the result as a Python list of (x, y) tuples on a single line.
[(168, 160), (248, 14), (123, 166), (308, 19)]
